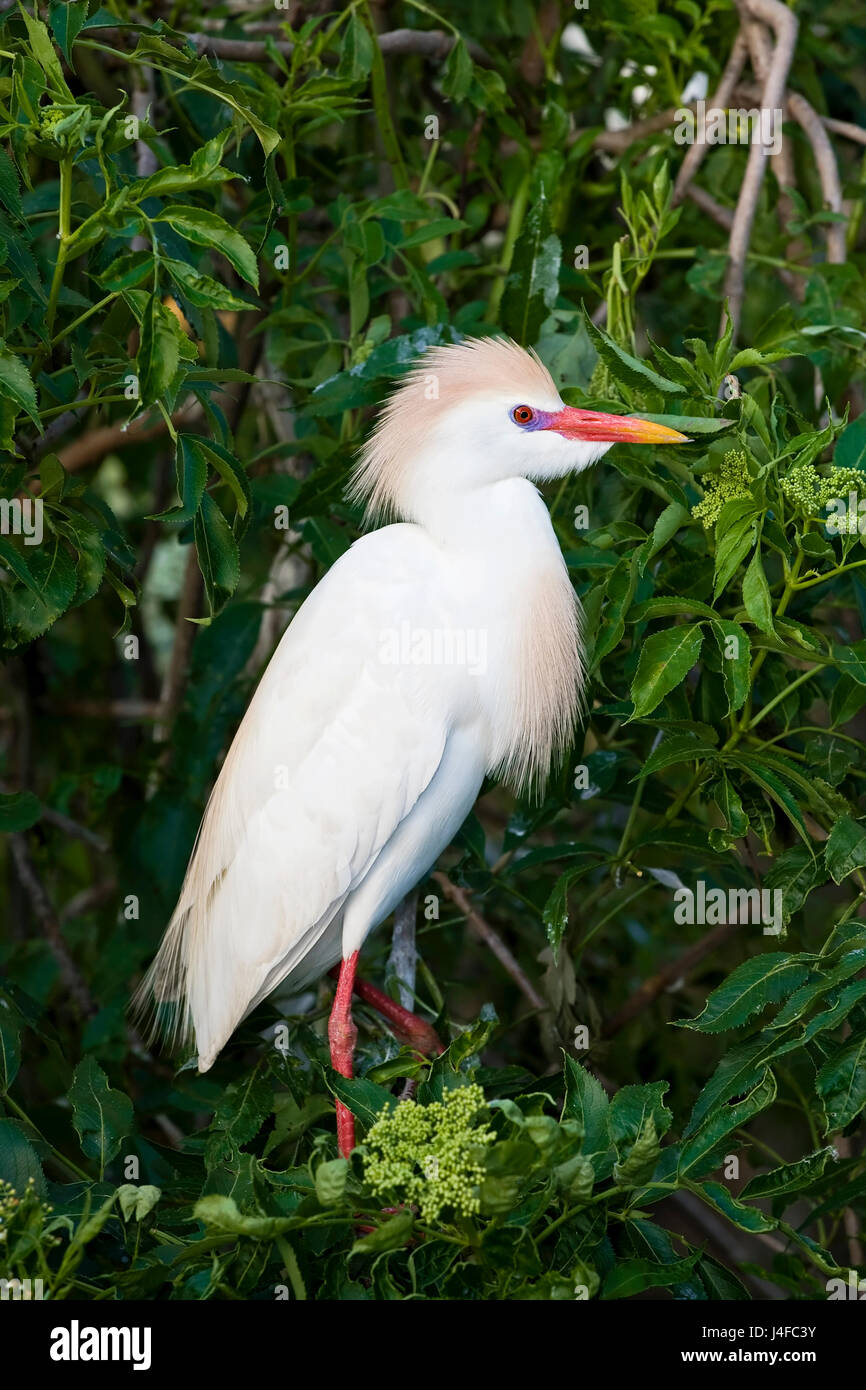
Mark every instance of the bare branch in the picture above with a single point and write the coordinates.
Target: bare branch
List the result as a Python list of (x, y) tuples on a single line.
[(491, 938), (722, 95), (669, 975), (44, 911), (784, 24)]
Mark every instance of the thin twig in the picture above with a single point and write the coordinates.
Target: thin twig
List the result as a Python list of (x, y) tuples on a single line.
[(669, 975), (695, 154), (784, 24), (491, 938), (93, 446), (44, 911)]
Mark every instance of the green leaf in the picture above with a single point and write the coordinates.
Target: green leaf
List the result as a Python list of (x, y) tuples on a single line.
[(16, 385), (220, 1213), (702, 1150), (669, 608), (665, 660), (46, 57), (555, 911), (747, 1218), (391, 1235), (756, 595), (331, 1179), (19, 1161), (630, 1277), (356, 50), (789, 1177), (18, 811), (586, 1102), (533, 280), (681, 748), (439, 227), (207, 229), (735, 650), (218, 556), (457, 73), (102, 1116), (202, 290), (158, 355), (841, 1083), (365, 1099), (67, 19), (628, 370), (136, 1202), (10, 1043), (192, 470), (690, 424), (845, 849), (763, 980)]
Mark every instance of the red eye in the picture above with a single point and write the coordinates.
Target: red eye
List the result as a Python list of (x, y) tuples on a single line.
[(523, 414)]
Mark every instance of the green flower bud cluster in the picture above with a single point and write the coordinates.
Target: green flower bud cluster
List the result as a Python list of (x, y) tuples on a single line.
[(430, 1156), (731, 481), (22, 1212), (66, 126), (809, 492)]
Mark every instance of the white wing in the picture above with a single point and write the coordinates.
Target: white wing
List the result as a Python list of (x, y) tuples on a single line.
[(338, 744)]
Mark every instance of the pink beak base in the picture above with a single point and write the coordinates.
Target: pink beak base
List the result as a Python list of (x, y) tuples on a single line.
[(596, 427)]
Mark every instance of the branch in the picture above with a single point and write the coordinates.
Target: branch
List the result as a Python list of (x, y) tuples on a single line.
[(722, 95), (44, 911), (491, 938), (669, 975), (93, 446), (398, 43), (784, 24)]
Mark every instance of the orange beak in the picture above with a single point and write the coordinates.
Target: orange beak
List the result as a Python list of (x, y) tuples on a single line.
[(596, 427)]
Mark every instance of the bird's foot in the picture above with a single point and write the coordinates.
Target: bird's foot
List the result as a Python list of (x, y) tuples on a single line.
[(415, 1032)]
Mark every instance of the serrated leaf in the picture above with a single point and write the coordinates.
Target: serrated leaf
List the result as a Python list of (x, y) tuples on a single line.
[(842, 1083), (845, 849), (586, 1102), (763, 980), (101, 1115), (789, 1178), (204, 228), (665, 660)]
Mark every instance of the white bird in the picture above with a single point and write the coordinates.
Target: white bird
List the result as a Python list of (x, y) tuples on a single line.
[(436, 651)]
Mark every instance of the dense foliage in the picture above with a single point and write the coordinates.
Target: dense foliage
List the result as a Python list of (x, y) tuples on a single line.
[(212, 269)]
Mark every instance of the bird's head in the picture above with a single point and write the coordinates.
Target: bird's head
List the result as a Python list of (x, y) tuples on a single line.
[(477, 413)]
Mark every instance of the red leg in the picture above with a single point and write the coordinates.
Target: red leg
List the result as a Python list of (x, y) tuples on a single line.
[(342, 1035), (410, 1029)]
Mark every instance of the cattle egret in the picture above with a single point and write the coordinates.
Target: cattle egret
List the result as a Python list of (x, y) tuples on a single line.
[(439, 649)]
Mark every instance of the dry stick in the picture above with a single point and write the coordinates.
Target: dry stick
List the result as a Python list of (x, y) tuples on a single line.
[(44, 910), (426, 43), (825, 159), (720, 98), (783, 163), (667, 976), (491, 937), (92, 447), (846, 129), (708, 204), (784, 24), (184, 635)]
